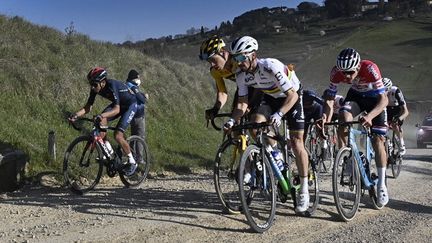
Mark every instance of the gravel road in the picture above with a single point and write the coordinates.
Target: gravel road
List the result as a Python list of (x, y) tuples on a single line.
[(185, 208)]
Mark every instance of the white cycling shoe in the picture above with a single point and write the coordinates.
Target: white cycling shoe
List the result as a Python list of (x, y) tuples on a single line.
[(383, 197), (302, 203), (129, 169)]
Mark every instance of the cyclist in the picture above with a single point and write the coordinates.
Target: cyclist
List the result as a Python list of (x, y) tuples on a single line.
[(222, 68), (124, 105), (312, 106), (133, 81), (397, 110), (282, 98), (367, 93)]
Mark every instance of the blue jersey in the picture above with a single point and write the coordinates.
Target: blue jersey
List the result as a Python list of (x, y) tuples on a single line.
[(312, 105), (141, 99), (115, 91)]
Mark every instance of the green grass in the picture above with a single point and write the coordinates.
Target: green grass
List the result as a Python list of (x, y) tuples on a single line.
[(43, 76)]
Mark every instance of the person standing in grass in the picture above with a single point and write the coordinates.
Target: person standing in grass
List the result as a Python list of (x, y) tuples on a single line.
[(138, 125)]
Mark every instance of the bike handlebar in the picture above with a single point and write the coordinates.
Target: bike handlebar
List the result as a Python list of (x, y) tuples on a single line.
[(212, 120)]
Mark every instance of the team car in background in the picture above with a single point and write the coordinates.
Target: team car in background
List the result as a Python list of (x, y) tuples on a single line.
[(424, 132)]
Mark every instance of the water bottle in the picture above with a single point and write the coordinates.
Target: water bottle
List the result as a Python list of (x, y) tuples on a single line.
[(279, 159), (109, 148)]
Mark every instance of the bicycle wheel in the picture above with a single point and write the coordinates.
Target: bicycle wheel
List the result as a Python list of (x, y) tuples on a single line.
[(141, 155), (314, 192), (346, 184), (258, 196), (225, 176), (82, 169), (396, 158)]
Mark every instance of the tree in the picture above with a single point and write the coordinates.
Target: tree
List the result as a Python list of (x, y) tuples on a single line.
[(307, 6), (339, 8)]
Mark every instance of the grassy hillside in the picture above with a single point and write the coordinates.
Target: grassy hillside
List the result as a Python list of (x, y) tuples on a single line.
[(43, 76)]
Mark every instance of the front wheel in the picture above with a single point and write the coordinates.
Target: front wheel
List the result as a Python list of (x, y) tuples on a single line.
[(258, 194), (141, 155), (314, 192), (82, 166), (346, 184), (225, 176)]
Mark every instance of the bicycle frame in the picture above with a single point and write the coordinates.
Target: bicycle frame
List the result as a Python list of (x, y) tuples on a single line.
[(285, 183), (367, 182)]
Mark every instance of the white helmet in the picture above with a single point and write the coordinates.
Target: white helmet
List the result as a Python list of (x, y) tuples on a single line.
[(387, 83), (348, 60), (244, 44)]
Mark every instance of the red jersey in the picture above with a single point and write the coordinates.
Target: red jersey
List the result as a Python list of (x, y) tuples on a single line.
[(368, 80)]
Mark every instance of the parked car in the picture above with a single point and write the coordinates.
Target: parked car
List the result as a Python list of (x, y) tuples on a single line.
[(424, 132)]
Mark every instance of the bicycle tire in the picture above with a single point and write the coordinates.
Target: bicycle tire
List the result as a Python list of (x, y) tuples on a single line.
[(81, 177), (346, 211), (225, 175), (397, 158), (260, 216), (314, 191), (142, 157)]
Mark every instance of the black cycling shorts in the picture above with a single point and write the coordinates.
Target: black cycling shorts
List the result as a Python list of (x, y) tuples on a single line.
[(356, 102), (295, 117)]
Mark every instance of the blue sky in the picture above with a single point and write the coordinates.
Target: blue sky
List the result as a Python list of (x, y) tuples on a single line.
[(121, 20)]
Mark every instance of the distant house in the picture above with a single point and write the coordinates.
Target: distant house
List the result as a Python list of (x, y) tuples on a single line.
[(279, 10), (369, 6)]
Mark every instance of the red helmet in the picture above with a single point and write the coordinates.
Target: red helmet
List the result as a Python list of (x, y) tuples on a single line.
[(97, 74)]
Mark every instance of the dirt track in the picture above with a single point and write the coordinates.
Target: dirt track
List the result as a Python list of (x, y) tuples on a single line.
[(186, 209)]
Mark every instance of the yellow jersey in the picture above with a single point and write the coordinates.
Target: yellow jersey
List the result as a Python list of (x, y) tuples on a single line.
[(228, 72)]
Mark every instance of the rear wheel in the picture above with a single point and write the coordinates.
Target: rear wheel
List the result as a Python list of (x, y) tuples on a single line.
[(82, 168), (141, 155), (346, 184), (258, 196), (396, 158), (225, 176)]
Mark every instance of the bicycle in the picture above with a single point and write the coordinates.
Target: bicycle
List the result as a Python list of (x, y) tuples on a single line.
[(393, 148), (259, 162), (86, 156), (226, 165), (320, 150), (354, 172)]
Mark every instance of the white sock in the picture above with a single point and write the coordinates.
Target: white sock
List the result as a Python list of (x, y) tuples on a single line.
[(304, 186), (131, 158), (402, 142), (381, 176)]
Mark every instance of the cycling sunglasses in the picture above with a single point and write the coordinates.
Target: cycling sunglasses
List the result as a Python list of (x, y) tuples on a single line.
[(94, 84), (348, 72), (241, 57)]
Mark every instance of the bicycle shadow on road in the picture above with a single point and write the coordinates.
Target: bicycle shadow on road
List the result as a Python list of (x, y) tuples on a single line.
[(409, 207), (182, 206)]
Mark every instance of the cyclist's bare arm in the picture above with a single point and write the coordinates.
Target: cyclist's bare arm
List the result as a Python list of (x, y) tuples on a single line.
[(404, 112), (240, 108), (86, 109), (290, 100), (221, 99), (328, 110), (381, 105)]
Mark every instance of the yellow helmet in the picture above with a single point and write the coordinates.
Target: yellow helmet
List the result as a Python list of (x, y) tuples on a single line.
[(210, 47)]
